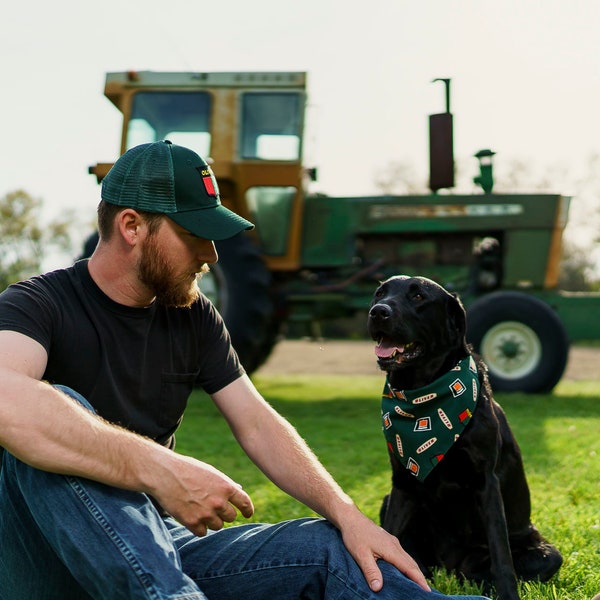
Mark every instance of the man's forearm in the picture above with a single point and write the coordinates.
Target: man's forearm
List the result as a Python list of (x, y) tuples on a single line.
[(298, 471), (63, 437), (281, 453), (50, 431)]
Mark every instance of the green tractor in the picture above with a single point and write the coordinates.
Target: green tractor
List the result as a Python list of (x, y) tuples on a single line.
[(313, 258)]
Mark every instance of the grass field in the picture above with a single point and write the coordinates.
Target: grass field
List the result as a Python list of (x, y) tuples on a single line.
[(559, 435)]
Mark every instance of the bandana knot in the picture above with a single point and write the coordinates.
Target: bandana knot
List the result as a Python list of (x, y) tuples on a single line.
[(421, 425)]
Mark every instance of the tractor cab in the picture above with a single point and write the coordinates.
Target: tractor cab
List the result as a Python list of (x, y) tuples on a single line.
[(248, 126)]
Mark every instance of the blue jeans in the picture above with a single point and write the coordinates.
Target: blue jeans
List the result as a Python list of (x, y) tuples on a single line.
[(70, 538)]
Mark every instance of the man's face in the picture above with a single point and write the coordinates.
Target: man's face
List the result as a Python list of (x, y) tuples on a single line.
[(171, 259)]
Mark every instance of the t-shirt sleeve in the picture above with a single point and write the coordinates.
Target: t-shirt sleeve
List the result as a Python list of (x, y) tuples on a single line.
[(27, 309), (219, 364)]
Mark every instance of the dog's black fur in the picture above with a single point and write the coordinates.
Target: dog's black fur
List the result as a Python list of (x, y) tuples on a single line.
[(471, 515)]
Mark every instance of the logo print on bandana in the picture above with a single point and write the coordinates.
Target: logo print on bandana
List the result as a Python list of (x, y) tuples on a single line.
[(444, 418), (457, 387), (399, 394), (399, 445), (465, 415), (425, 398), (413, 466), (430, 442), (387, 422), (210, 183), (423, 424), (436, 459), (403, 413)]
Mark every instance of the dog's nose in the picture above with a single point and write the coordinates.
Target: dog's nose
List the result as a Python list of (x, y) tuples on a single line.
[(380, 312)]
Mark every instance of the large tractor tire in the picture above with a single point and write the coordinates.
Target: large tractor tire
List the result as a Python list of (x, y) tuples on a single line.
[(522, 340), (239, 286)]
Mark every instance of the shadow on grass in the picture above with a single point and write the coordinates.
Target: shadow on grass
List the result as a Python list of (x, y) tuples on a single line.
[(340, 419), (551, 428)]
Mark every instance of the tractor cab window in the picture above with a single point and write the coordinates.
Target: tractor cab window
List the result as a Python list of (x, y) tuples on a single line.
[(271, 126), (270, 209), (181, 117)]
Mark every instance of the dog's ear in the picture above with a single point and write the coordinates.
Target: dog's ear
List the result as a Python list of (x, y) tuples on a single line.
[(457, 320)]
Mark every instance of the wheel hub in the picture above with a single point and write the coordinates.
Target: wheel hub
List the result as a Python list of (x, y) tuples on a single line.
[(511, 349)]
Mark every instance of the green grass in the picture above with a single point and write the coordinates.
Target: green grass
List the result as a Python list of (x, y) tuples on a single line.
[(559, 435)]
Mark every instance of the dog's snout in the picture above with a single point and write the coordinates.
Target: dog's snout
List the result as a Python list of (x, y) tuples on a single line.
[(380, 312)]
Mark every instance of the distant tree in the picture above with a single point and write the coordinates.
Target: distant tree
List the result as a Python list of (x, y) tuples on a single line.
[(576, 268), (398, 178), (24, 239), (515, 176)]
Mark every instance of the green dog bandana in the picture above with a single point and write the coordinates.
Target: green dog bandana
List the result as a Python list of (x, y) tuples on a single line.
[(421, 425)]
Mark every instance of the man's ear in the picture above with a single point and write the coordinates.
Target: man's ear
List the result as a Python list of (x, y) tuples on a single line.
[(128, 224)]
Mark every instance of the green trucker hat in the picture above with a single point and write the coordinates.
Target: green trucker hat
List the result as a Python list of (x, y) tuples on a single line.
[(161, 177)]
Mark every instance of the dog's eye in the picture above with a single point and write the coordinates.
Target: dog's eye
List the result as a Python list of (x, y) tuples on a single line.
[(418, 297)]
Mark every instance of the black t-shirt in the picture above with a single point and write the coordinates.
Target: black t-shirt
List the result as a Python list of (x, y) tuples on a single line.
[(136, 366)]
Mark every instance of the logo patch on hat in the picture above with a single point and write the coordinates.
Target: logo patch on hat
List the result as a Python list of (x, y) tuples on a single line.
[(208, 178)]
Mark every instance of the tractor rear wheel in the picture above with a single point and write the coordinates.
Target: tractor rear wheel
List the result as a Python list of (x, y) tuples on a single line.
[(239, 286), (522, 340)]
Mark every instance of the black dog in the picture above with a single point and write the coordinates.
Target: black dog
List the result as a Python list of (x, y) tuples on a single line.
[(459, 496)]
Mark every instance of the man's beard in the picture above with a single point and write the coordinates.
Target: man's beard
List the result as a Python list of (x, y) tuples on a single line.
[(156, 274)]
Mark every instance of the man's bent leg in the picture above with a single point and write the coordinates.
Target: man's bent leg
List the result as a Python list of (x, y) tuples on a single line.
[(29, 568), (63, 535), (303, 558)]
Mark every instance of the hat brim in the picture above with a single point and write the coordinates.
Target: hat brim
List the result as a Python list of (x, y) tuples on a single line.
[(212, 223)]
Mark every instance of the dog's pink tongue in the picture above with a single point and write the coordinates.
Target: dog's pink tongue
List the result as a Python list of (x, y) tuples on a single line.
[(385, 349)]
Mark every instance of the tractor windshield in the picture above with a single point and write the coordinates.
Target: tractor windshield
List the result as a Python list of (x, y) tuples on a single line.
[(271, 126), (181, 117)]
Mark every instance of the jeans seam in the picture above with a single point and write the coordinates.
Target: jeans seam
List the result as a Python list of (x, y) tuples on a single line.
[(344, 583), (307, 564), (125, 552)]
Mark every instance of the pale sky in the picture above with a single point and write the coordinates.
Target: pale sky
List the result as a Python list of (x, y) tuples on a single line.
[(525, 80)]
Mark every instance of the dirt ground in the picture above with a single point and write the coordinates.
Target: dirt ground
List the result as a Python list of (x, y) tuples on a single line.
[(342, 357)]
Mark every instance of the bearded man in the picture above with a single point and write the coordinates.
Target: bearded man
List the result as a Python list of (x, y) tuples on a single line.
[(97, 362)]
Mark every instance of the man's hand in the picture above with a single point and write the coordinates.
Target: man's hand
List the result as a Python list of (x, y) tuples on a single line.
[(200, 496), (368, 542)]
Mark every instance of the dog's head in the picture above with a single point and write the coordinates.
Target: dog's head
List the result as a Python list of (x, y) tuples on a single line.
[(419, 328)]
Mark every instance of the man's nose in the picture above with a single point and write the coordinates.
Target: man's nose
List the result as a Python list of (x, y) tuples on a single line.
[(207, 253)]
